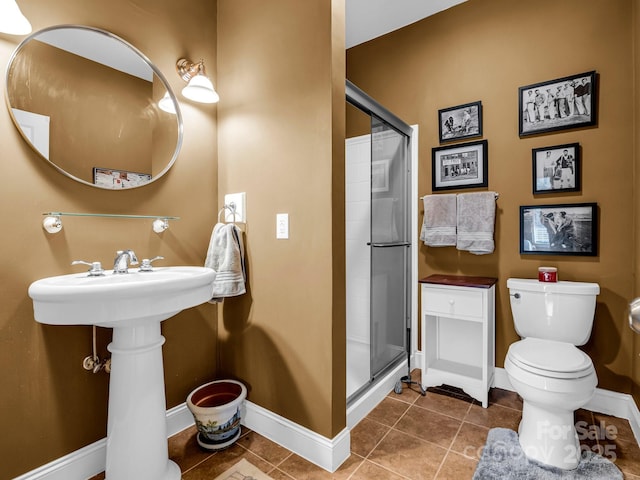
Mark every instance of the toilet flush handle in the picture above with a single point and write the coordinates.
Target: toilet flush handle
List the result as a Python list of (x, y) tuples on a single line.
[(515, 295)]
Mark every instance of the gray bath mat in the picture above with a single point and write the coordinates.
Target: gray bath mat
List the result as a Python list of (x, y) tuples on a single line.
[(503, 458)]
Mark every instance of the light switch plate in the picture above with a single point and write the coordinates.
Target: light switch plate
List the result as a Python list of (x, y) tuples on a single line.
[(239, 200), (282, 225)]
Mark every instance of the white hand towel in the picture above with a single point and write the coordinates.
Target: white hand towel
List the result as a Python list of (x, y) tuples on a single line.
[(476, 221), (226, 256), (439, 221)]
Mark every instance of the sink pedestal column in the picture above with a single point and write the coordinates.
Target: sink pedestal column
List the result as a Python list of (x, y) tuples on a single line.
[(137, 445)]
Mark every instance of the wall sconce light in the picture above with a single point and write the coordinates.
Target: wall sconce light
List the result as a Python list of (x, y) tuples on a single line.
[(166, 104), (199, 88), (12, 21)]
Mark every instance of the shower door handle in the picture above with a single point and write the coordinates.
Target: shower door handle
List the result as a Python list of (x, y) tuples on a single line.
[(391, 244)]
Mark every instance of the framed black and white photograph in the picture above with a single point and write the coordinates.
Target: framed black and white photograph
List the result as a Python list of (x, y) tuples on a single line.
[(556, 169), (117, 179), (560, 104), (463, 121), (459, 166), (563, 229)]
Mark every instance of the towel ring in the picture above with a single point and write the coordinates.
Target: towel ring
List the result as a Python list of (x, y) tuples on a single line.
[(232, 208)]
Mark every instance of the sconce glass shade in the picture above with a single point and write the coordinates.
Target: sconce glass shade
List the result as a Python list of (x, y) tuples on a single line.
[(200, 89), (166, 104), (12, 21)]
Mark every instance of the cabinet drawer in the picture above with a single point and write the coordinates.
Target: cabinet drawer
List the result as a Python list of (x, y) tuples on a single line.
[(466, 302)]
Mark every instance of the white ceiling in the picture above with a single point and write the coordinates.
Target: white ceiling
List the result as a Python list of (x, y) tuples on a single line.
[(98, 47), (365, 20), (368, 19)]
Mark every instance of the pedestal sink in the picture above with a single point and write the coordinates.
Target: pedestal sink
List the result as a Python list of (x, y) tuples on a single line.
[(133, 305)]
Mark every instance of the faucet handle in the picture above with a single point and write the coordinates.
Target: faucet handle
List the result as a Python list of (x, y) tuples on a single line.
[(146, 263), (96, 269)]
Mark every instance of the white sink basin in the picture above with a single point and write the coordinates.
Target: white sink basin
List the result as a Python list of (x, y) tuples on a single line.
[(133, 305), (79, 299)]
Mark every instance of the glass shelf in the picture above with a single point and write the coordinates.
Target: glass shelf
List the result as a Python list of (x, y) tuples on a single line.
[(108, 215)]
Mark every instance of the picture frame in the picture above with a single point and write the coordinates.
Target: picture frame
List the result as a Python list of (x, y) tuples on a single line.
[(554, 105), (459, 122), (556, 169), (117, 179), (460, 166), (380, 175), (561, 229)]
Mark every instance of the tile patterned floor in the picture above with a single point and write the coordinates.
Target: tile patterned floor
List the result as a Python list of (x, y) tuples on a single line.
[(408, 436)]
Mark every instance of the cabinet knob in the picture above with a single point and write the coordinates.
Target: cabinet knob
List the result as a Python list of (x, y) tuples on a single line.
[(451, 301)]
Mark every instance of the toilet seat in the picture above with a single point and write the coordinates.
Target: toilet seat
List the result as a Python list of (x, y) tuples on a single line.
[(549, 358)]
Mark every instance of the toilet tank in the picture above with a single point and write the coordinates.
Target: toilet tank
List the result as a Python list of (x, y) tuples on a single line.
[(561, 311)]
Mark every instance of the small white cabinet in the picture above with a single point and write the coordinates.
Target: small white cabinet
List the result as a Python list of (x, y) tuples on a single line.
[(458, 333)]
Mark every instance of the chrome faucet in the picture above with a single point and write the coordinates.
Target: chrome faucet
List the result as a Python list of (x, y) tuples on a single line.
[(124, 258)]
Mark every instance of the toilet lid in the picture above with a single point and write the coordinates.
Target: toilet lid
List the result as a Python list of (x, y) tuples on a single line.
[(550, 358)]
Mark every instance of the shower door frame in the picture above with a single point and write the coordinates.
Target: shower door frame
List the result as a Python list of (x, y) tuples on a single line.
[(361, 402)]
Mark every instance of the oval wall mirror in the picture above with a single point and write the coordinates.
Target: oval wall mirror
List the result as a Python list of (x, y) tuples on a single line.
[(94, 107)]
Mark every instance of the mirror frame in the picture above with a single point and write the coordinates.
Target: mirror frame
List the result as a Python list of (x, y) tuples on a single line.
[(142, 56)]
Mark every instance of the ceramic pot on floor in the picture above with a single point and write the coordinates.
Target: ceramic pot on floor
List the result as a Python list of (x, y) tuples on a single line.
[(215, 406)]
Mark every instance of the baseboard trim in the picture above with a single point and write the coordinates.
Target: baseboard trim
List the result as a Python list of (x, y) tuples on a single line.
[(621, 405), (90, 460), (327, 453), (83, 463)]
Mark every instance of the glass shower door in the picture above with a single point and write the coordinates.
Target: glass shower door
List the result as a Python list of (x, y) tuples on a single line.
[(390, 245)]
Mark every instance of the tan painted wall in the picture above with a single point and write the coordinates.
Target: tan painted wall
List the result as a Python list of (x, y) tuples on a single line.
[(49, 406), (163, 140), (636, 192), (69, 89), (484, 50), (281, 140)]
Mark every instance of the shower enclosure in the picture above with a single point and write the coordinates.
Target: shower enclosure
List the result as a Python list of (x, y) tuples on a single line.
[(378, 241)]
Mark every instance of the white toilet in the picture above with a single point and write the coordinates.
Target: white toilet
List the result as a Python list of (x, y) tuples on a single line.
[(553, 377)]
